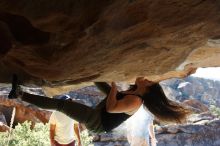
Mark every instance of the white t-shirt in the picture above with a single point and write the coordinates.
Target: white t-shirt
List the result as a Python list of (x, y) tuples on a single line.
[(138, 123), (64, 131)]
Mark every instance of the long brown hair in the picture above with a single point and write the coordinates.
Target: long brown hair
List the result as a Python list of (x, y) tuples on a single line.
[(162, 108)]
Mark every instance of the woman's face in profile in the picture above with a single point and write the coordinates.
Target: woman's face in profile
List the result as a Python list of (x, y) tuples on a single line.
[(142, 82)]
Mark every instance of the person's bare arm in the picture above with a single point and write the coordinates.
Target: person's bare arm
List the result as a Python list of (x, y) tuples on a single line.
[(127, 104), (52, 134), (151, 131), (111, 100), (77, 133), (152, 134), (174, 74)]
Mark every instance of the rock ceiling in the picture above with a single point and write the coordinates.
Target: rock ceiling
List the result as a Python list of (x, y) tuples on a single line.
[(57, 43)]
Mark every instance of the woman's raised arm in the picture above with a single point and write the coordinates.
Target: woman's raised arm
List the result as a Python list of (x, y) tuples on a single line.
[(128, 104)]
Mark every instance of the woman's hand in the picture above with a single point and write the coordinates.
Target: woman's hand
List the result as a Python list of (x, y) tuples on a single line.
[(79, 144), (153, 141), (111, 100), (53, 143), (114, 87)]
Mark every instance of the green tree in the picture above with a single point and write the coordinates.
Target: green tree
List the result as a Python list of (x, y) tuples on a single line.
[(23, 135)]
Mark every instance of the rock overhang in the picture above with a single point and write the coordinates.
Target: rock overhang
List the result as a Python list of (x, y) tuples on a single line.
[(60, 43)]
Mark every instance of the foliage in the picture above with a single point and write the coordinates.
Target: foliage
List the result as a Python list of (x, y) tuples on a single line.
[(86, 139), (23, 135), (215, 110)]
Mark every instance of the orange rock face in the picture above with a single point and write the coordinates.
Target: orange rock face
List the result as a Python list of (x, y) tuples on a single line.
[(23, 112), (64, 42)]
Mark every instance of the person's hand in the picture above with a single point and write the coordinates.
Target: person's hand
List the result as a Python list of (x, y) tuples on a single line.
[(191, 70), (79, 144), (153, 141), (114, 87), (53, 143)]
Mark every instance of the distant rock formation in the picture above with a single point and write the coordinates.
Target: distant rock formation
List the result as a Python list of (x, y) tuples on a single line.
[(204, 90), (196, 105), (23, 112), (205, 134)]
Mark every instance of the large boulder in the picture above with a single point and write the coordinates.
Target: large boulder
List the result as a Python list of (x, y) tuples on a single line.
[(207, 133), (57, 42), (196, 104), (197, 135)]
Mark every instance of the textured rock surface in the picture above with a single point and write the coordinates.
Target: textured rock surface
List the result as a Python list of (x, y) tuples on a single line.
[(64, 42), (204, 90), (207, 133), (196, 105), (3, 123), (191, 135), (23, 112)]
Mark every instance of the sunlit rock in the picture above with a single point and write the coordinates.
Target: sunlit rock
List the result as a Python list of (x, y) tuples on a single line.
[(51, 43)]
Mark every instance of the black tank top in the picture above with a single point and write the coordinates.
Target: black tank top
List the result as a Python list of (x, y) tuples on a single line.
[(113, 120)]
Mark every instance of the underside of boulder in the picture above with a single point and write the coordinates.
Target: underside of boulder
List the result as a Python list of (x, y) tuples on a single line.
[(58, 43)]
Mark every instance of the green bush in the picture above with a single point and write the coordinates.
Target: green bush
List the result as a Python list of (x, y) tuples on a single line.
[(86, 139), (215, 110), (23, 135)]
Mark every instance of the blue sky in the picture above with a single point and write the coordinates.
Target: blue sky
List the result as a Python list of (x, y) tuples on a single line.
[(210, 73)]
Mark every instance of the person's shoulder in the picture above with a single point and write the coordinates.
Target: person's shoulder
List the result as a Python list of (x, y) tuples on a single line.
[(53, 114), (52, 119), (133, 98), (75, 122), (56, 114)]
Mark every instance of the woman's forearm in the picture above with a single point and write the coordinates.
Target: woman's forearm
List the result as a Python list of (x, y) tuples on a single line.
[(111, 100), (77, 132), (151, 131), (152, 135), (52, 134)]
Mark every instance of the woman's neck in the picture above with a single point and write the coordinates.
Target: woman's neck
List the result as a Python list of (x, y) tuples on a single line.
[(139, 91)]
